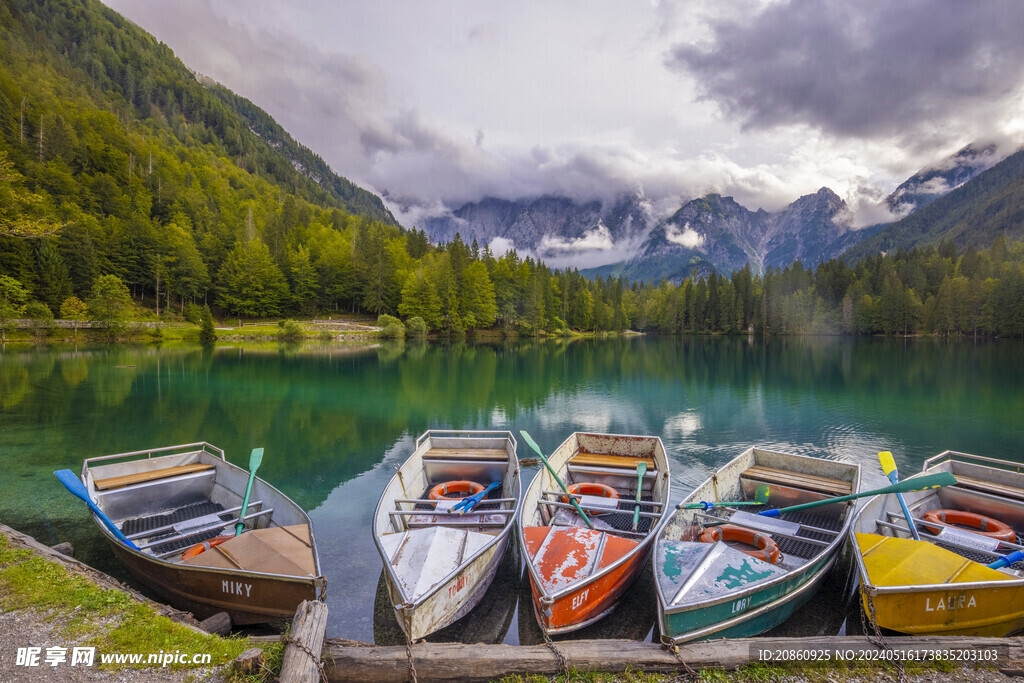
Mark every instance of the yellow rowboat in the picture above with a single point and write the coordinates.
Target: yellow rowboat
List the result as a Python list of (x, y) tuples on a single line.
[(941, 584)]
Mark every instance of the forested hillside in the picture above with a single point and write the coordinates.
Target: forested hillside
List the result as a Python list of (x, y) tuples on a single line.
[(989, 205), (123, 179)]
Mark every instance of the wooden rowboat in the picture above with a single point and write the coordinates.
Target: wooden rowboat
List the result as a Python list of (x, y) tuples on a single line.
[(941, 585), (578, 574), (167, 500), (730, 589), (438, 564)]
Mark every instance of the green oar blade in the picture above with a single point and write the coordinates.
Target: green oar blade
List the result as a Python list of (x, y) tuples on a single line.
[(761, 494), (255, 458)]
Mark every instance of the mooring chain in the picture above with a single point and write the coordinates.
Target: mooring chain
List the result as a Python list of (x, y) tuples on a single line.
[(408, 647), (878, 640), (673, 649), (288, 640), (562, 661)]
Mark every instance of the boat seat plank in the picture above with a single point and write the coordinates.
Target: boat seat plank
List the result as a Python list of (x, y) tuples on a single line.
[(989, 487), (810, 482), (605, 460), (152, 475), (487, 454)]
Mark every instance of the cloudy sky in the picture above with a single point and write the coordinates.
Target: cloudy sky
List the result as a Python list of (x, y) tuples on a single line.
[(441, 102)]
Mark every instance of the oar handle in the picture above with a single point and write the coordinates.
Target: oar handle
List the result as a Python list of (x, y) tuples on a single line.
[(470, 502), (641, 470), (1007, 560), (894, 478)]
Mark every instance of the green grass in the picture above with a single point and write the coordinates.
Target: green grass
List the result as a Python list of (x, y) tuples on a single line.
[(110, 620)]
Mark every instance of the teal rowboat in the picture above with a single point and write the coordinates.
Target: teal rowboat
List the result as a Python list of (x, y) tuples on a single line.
[(742, 586)]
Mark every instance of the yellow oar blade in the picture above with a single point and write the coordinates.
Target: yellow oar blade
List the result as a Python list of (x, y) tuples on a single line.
[(887, 462), (906, 562)]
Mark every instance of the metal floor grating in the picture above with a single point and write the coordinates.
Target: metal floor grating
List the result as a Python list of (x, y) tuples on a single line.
[(183, 543), (623, 521), (980, 558), (182, 514), (140, 524), (806, 551)]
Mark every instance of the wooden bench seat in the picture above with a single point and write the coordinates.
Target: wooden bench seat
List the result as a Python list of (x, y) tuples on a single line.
[(603, 460), (809, 482), (152, 475), (487, 454), (1004, 490)]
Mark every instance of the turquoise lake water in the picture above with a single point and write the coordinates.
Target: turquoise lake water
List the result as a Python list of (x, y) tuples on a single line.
[(335, 421)]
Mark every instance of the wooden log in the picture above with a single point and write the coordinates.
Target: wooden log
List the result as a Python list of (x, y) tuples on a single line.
[(219, 623), (302, 654), (458, 662), (64, 549), (249, 662)]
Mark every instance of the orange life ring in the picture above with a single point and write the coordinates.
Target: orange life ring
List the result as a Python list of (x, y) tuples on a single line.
[(592, 489), (204, 546), (764, 547), (979, 524), (462, 488)]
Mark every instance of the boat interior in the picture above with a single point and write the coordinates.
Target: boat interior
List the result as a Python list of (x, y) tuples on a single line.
[(167, 504), (990, 491), (445, 465), (800, 535), (603, 474)]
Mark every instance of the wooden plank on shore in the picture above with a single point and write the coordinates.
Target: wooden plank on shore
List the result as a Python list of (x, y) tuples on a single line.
[(302, 653), (458, 662)]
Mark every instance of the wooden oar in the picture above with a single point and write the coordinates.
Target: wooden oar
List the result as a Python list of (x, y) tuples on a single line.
[(760, 498), (641, 470), (534, 446), (255, 458), (928, 481), (75, 486), (889, 467), (470, 502)]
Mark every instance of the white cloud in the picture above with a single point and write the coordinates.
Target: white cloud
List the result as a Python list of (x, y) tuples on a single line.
[(687, 237), (500, 245), (597, 238), (438, 104)]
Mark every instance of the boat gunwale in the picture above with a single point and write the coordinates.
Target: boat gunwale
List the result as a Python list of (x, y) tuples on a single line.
[(643, 545), (831, 550), (510, 523), (89, 483), (950, 456)]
